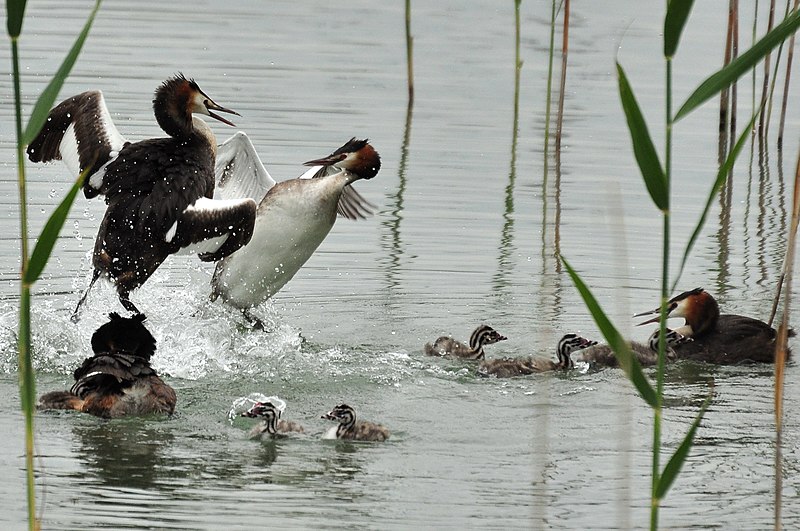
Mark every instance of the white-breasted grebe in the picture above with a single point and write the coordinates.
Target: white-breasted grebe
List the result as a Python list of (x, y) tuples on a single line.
[(603, 355), (158, 190), (508, 367), (271, 424), (726, 339), (350, 429), (293, 217), (447, 346), (117, 380)]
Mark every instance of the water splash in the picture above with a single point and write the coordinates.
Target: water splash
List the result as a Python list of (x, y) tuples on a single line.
[(198, 339), (245, 403)]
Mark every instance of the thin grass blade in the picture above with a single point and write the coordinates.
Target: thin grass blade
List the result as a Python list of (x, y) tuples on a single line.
[(48, 96), (643, 148), (730, 73), (49, 235), (722, 176), (677, 15), (15, 13), (627, 361), (679, 457)]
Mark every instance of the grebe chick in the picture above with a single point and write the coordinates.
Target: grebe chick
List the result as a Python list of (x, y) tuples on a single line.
[(158, 191), (293, 217), (118, 380), (353, 430), (726, 339), (447, 346), (603, 355), (508, 367), (272, 424)]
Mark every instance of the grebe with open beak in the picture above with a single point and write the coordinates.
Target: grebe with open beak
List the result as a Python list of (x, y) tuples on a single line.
[(293, 216), (159, 191), (726, 339)]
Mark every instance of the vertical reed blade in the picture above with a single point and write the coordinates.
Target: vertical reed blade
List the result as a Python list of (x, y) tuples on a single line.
[(781, 343)]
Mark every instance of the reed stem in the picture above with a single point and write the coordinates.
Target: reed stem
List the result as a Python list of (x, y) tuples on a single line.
[(564, 54), (765, 86), (734, 54), (26, 380), (781, 347), (549, 95), (409, 52), (785, 102)]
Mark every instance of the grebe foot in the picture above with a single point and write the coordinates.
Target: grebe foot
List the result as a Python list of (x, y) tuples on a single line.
[(255, 322), (124, 299), (75, 317)]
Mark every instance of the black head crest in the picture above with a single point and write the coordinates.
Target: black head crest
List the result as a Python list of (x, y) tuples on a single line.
[(125, 334)]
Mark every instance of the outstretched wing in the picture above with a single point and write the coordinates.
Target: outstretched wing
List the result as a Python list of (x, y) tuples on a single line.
[(352, 205), (214, 228), (80, 132), (239, 172)]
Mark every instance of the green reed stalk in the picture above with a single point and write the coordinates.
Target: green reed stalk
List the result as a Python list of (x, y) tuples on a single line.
[(657, 182), (27, 383), (32, 264)]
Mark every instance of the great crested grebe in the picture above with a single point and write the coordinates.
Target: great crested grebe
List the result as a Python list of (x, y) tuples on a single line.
[(447, 346), (350, 429), (271, 424), (603, 355), (508, 367), (725, 339), (158, 190), (118, 379), (293, 217)]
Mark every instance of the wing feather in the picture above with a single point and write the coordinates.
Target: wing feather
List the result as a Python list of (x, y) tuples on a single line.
[(239, 171), (80, 132)]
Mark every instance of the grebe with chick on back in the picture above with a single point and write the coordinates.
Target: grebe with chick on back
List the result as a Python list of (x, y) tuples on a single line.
[(117, 380), (293, 217), (604, 355), (724, 339), (158, 191)]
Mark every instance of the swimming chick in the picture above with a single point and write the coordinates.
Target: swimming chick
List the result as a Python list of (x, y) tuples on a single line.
[(271, 424), (117, 380), (353, 430), (481, 336), (508, 367), (726, 339), (603, 355)]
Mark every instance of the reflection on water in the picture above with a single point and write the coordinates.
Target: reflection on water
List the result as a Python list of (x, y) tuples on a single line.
[(470, 232), (393, 240), (130, 453)]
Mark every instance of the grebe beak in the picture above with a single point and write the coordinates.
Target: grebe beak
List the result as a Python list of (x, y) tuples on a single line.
[(212, 106), (655, 319), (330, 160), (587, 343)]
